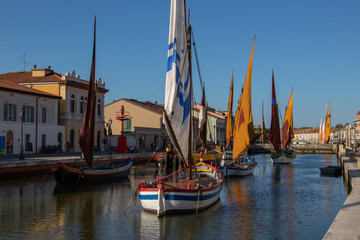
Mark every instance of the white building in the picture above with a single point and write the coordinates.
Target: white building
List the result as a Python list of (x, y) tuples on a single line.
[(40, 125)]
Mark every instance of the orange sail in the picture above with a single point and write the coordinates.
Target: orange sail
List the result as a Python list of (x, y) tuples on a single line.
[(229, 122), (244, 133), (327, 126), (288, 126)]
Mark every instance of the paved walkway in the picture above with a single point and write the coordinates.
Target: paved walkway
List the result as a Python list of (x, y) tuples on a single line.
[(346, 224)]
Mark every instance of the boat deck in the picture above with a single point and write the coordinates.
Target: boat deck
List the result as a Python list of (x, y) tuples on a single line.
[(202, 180)]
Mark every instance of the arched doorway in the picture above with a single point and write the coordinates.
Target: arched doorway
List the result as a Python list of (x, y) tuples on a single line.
[(60, 142), (9, 142)]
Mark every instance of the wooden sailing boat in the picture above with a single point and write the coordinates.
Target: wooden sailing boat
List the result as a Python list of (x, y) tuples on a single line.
[(288, 132), (196, 186), (243, 134), (209, 155), (92, 173), (274, 136)]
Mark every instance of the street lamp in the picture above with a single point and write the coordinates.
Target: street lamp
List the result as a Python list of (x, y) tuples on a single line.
[(109, 134), (21, 156)]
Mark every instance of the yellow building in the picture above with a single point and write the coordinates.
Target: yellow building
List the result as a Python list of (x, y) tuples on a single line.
[(73, 93), (144, 128)]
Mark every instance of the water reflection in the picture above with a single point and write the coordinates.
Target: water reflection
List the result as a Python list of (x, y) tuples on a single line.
[(277, 202)]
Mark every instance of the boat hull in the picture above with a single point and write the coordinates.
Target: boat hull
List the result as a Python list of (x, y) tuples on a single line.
[(160, 159), (281, 160), (162, 199), (233, 170), (229, 168), (331, 170), (65, 175)]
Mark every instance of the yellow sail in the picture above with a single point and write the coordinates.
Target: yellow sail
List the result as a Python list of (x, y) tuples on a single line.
[(229, 122), (244, 134), (288, 125), (327, 126)]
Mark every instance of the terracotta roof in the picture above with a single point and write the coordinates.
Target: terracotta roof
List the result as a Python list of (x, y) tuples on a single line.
[(211, 111), (14, 87), (26, 77), (154, 107)]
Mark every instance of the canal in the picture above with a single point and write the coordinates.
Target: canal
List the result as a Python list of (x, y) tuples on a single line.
[(276, 202)]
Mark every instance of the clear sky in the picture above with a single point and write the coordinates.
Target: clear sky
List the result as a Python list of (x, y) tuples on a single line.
[(312, 45)]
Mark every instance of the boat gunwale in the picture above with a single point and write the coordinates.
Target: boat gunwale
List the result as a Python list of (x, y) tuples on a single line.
[(152, 186)]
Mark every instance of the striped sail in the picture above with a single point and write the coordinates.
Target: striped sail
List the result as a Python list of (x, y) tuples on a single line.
[(178, 87)]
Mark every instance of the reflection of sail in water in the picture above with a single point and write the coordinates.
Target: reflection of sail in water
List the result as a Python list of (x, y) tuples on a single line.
[(283, 201), (290, 200), (241, 201), (327, 158)]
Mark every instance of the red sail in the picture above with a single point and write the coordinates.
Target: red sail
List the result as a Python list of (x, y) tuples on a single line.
[(88, 126), (275, 126)]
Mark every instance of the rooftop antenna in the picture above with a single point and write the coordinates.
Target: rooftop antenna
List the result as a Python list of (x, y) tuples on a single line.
[(24, 63)]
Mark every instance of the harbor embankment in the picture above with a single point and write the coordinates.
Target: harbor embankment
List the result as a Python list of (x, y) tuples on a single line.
[(346, 223), (300, 148), (35, 164)]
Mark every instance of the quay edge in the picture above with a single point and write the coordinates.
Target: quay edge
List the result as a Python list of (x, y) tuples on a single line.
[(11, 168), (346, 222), (300, 148)]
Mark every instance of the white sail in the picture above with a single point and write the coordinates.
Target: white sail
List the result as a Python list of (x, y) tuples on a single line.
[(178, 83)]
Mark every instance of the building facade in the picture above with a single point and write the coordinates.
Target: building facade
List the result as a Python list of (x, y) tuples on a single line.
[(143, 128), (29, 119), (72, 91)]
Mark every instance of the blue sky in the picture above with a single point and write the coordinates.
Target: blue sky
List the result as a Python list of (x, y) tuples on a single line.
[(312, 45)]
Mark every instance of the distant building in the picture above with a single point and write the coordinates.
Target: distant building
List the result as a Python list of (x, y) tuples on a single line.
[(144, 128), (216, 126), (33, 111), (73, 95)]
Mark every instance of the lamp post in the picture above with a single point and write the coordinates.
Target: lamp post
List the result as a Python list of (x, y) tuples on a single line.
[(21, 156), (109, 134)]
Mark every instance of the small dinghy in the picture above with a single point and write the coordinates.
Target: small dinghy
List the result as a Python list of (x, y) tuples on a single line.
[(331, 170)]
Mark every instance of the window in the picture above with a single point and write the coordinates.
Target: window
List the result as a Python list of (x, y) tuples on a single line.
[(127, 125), (9, 112), (98, 107), (43, 115), (29, 114), (43, 140), (82, 104), (72, 103)]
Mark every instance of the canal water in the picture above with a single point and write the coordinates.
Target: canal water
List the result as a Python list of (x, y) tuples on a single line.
[(276, 202)]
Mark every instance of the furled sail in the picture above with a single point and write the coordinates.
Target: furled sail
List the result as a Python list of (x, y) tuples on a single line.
[(229, 120), (203, 120), (244, 133), (178, 87), (275, 126), (288, 125), (88, 127)]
